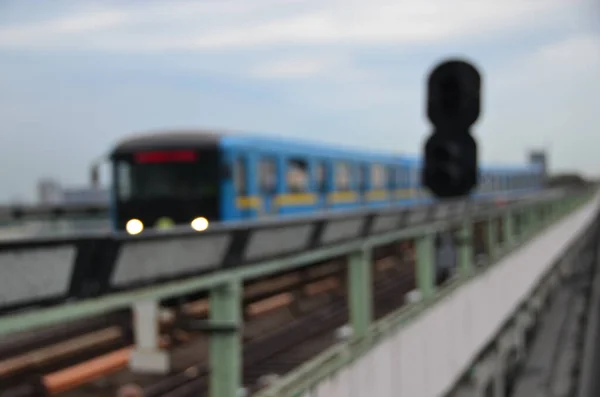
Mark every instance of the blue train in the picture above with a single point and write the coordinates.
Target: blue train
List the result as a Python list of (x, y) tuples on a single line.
[(199, 177)]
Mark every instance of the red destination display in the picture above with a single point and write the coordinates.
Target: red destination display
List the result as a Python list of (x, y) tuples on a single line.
[(178, 156)]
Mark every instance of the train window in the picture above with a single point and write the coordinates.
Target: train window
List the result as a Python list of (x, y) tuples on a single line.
[(342, 176), (362, 177), (168, 178), (123, 180), (239, 177), (297, 176), (267, 175), (377, 177)]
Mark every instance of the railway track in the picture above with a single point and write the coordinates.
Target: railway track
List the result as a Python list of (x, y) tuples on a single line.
[(289, 318)]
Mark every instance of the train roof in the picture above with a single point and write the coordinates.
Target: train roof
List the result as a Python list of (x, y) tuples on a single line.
[(290, 147), (178, 139), (168, 139)]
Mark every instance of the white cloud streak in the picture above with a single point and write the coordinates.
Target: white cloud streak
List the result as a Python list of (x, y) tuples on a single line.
[(185, 26)]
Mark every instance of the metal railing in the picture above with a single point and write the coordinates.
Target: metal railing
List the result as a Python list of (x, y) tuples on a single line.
[(52, 270), (221, 260)]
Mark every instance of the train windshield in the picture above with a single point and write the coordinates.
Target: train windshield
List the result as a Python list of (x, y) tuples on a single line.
[(167, 175)]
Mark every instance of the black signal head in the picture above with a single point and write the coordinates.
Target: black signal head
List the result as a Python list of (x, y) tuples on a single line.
[(454, 95)]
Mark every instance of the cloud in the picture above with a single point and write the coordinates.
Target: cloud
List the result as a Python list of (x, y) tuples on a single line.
[(61, 28), (185, 26), (298, 67), (547, 98)]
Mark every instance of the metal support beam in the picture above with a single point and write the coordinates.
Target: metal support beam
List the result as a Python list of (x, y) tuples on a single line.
[(509, 234), (425, 266), (226, 347), (533, 219), (465, 250), (491, 238), (360, 285), (147, 357)]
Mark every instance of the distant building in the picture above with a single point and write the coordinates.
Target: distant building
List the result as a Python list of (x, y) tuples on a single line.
[(85, 195), (539, 157), (49, 192)]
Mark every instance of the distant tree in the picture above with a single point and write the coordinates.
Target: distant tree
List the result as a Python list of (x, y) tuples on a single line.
[(566, 179)]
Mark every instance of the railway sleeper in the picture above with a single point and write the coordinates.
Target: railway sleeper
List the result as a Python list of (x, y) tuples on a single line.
[(267, 355)]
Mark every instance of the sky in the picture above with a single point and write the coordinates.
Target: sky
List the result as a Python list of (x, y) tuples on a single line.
[(77, 76)]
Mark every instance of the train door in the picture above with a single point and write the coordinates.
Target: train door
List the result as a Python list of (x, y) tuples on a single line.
[(320, 183), (378, 184), (342, 187), (298, 195), (419, 189), (243, 199), (268, 183), (362, 183), (403, 191), (391, 185)]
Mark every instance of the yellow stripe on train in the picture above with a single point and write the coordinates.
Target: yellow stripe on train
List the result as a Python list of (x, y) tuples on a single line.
[(248, 202), (401, 194), (342, 197), (376, 195), (296, 199)]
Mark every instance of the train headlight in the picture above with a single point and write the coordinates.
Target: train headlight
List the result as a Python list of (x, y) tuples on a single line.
[(199, 224), (134, 226)]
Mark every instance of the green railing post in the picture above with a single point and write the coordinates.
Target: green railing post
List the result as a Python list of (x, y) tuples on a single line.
[(360, 286), (527, 224), (465, 250), (425, 266), (491, 238), (508, 230), (225, 344), (533, 220)]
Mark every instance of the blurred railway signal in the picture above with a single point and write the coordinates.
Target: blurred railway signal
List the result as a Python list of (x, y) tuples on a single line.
[(453, 106)]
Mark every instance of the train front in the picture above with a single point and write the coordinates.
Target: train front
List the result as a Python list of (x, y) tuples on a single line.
[(162, 183)]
